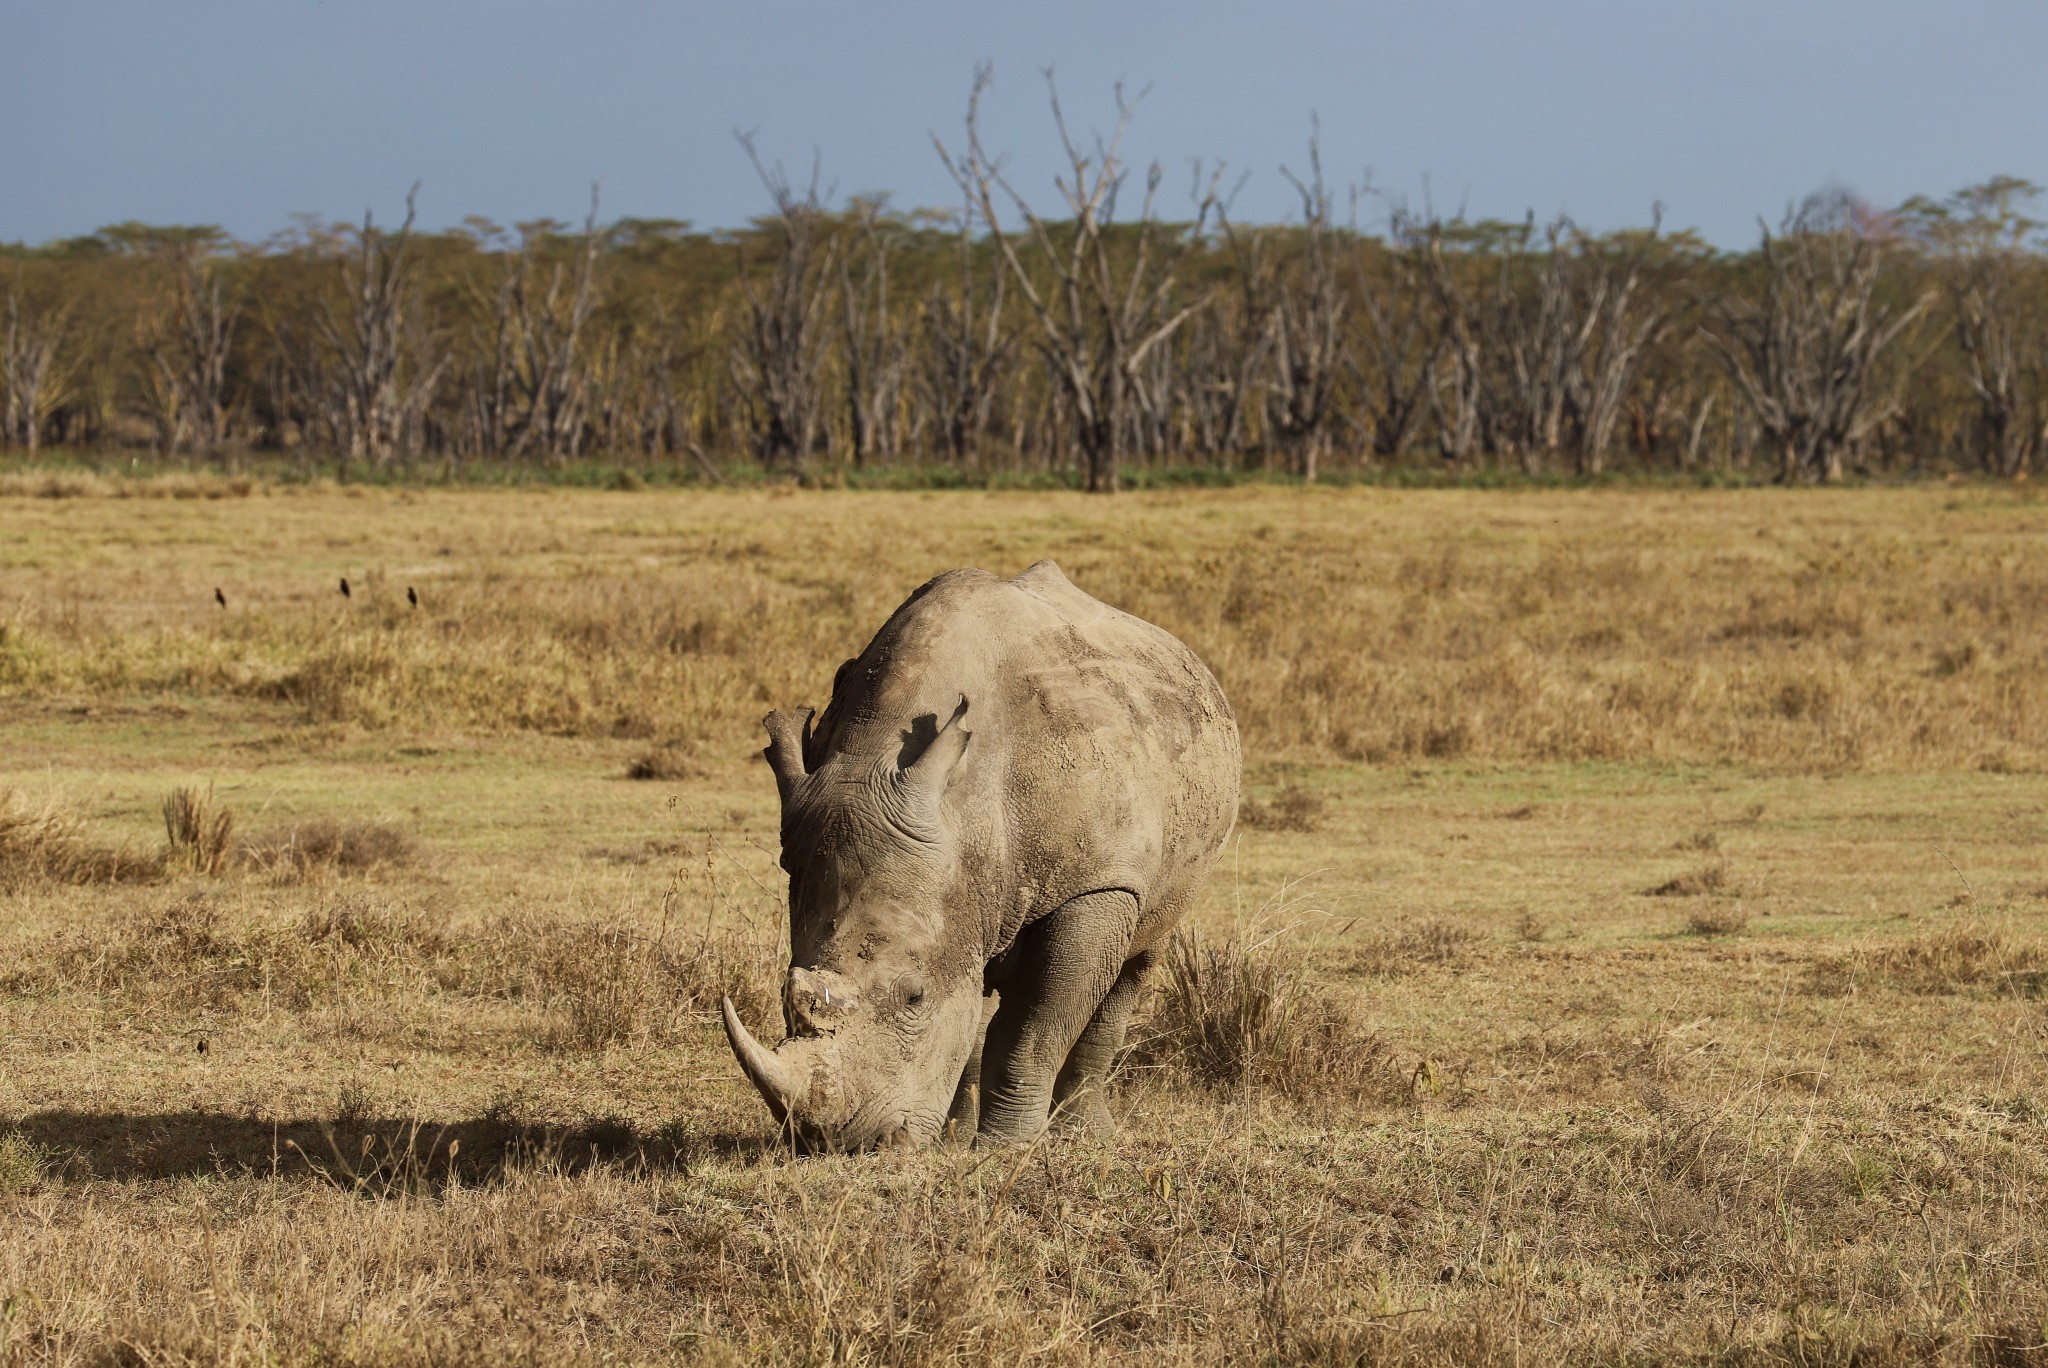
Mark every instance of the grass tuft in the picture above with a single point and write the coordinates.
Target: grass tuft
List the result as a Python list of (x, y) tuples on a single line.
[(199, 837), (1231, 1014), (1294, 808), (608, 986)]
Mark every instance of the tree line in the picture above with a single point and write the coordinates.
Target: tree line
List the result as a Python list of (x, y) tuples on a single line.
[(1118, 325)]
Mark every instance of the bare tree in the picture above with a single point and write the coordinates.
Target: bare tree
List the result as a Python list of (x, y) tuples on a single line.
[(1394, 368), (1981, 232), (1111, 296), (966, 352), (530, 390), (874, 352), (1544, 356), (1227, 348), (1616, 327), (186, 353), (778, 361), (381, 365), (1307, 329), (1804, 356), (33, 380)]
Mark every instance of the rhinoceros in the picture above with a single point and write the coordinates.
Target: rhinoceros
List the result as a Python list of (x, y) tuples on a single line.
[(1012, 797)]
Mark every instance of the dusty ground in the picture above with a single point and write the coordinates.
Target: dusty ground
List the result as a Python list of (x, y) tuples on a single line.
[(1673, 865)]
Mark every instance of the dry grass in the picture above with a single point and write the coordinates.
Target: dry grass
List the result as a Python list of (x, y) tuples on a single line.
[(1803, 634), (1431, 943), (83, 484), (449, 1086), (46, 842), (1955, 959)]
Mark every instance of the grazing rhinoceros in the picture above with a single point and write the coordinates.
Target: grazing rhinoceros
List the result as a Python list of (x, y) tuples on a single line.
[(1016, 790)]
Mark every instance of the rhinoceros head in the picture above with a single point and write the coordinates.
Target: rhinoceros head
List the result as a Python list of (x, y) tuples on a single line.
[(883, 1000)]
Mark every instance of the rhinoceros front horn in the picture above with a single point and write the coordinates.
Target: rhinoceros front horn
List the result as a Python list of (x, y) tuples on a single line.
[(764, 1070)]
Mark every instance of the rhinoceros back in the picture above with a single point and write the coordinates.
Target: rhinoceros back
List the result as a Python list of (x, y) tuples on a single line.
[(1103, 753)]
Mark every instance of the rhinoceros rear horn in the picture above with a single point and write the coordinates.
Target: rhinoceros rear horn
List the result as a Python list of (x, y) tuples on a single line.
[(789, 736), (934, 765)]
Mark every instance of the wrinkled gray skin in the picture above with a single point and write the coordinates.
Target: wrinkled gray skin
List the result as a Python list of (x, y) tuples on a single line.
[(1013, 796)]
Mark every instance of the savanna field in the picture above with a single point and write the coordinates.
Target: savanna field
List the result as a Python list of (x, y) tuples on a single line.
[(1633, 948)]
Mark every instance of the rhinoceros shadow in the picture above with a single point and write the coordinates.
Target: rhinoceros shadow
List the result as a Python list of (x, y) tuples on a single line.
[(369, 1153)]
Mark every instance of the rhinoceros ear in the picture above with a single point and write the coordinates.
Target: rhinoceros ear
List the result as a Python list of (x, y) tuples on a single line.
[(789, 737), (927, 775)]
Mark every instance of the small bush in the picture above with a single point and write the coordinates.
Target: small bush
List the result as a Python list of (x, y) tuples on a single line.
[(324, 848), (378, 929), (199, 838), (47, 844), (664, 762), (1717, 921), (1233, 1014), (609, 985), (1699, 882), (23, 1163)]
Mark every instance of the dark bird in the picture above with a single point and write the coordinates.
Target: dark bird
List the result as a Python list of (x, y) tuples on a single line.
[(412, 596), (344, 586), (220, 598)]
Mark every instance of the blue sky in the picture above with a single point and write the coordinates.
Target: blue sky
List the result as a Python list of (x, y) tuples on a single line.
[(242, 112)]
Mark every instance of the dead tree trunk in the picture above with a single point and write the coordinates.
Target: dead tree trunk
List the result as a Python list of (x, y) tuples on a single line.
[(874, 354), (549, 381), (1804, 356), (965, 355), (1467, 414), (1228, 346), (1396, 369), (1307, 331), (187, 357), (1543, 356), (1109, 300), (381, 372), (31, 374), (1995, 350), (778, 361), (1607, 278)]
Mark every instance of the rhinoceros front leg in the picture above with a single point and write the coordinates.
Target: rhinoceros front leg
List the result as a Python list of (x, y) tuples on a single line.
[(964, 1116), (1079, 1096), (1060, 973)]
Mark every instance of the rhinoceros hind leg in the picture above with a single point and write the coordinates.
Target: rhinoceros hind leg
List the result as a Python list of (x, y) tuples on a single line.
[(1080, 1096), (1060, 971)]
